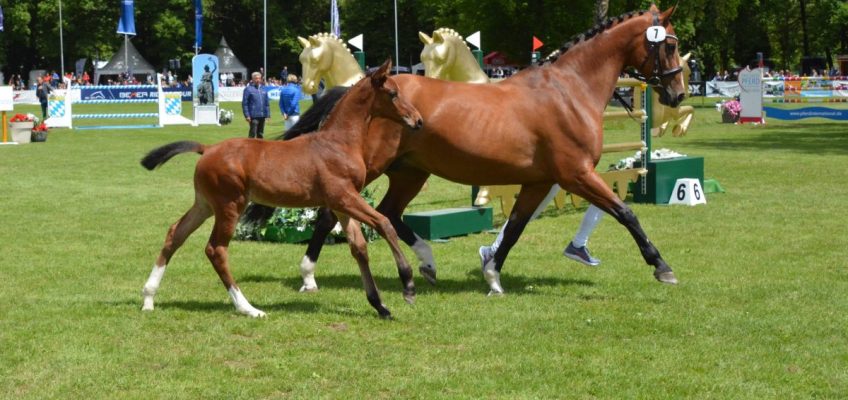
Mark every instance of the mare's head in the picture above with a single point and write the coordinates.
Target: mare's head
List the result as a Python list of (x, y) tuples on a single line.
[(382, 93), (656, 58)]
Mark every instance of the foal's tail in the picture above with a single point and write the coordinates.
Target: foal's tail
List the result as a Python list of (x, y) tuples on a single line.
[(160, 155)]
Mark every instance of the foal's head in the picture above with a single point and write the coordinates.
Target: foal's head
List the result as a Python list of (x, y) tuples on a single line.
[(381, 91), (657, 59)]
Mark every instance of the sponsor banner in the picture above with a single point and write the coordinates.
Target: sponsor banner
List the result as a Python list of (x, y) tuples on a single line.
[(119, 93), (235, 93), (807, 112)]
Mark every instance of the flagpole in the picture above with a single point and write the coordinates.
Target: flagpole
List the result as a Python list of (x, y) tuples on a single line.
[(265, 40), (61, 43), (397, 53)]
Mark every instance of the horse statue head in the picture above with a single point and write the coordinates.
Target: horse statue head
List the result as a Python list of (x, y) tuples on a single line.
[(446, 56), (326, 57), (677, 119)]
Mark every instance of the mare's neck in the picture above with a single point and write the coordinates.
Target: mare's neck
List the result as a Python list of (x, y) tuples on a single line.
[(598, 62), (344, 70)]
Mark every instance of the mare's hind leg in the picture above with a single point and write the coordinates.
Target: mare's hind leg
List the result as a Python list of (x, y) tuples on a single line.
[(354, 206), (404, 185), (359, 251), (324, 224), (226, 218), (527, 202), (591, 187), (175, 238)]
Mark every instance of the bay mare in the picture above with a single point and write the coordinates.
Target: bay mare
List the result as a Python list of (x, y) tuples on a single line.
[(327, 169), (541, 126)]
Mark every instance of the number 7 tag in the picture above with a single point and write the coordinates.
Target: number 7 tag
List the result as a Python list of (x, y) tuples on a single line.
[(656, 34)]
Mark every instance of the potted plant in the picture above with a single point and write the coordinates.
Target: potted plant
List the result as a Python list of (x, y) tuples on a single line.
[(39, 133), (730, 111), (21, 126), (225, 117)]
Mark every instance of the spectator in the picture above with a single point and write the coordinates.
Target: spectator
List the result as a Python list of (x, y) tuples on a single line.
[(255, 106), (43, 92), (290, 101)]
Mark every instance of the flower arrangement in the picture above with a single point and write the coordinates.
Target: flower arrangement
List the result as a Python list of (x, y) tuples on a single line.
[(730, 111), (39, 133), (42, 127), (225, 117), (295, 225), (24, 118)]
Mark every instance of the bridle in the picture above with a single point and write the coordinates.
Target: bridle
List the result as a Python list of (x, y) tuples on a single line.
[(653, 51)]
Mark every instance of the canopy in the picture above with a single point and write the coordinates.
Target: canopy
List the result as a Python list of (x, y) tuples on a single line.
[(228, 62), (118, 64)]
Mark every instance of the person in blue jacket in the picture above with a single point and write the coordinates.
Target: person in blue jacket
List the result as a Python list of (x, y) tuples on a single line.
[(254, 104), (290, 101)]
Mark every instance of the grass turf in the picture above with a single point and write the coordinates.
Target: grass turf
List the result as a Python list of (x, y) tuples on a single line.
[(759, 312)]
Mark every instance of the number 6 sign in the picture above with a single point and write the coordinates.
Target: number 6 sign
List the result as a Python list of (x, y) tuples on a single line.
[(687, 191)]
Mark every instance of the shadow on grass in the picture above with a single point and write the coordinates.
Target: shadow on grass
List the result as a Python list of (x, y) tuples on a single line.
[(812, 138), (474, 284)]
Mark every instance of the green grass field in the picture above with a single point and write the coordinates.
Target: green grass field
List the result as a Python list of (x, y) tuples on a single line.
[(760, 312)]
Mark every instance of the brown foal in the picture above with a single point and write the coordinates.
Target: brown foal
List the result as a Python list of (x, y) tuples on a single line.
[(327, 169)]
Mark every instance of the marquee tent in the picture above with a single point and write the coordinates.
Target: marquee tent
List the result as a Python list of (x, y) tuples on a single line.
[(228, 60), (118, 64)]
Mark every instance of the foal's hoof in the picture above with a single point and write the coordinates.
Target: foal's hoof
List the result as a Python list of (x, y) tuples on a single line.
[(308, 289), (253, 313), (428, 272), (385, 314), (409, 298), (666, 277)]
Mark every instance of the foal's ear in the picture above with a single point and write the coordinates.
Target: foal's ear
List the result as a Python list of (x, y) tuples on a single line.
[(381, 74)]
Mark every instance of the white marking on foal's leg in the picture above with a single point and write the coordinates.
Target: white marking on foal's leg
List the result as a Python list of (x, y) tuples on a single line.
[(307, 271), (493, 278), (242, 305), (152, 286), (425, 254)]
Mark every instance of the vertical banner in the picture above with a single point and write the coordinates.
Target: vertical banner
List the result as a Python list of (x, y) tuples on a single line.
[(126, 25), (204, 69), (751, 96), (198, 24), (335, 25), (1, 18)]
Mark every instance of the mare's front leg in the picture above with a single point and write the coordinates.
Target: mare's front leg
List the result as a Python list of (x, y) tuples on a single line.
[(404, 185), (359, 251), (591, 187), (528, 200), (226, 218)]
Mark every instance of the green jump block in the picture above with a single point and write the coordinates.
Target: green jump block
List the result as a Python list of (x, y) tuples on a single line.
[(662, 174), (449, 222)]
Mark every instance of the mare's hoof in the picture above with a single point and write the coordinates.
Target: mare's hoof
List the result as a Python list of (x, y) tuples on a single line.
[(494, 293), (254, 313), (428, 272), (410, 298), (385, 314), (308, 289), (666, 277)]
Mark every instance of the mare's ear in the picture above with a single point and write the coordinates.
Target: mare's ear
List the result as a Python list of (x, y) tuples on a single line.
[(653, 8), (303, 42), (424, 38), (666, 15), (381, 74)]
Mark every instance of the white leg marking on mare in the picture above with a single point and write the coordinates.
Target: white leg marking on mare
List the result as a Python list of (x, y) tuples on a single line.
[(307, 271), (151, 286), (242, 305), (493, 278), (425, 254)]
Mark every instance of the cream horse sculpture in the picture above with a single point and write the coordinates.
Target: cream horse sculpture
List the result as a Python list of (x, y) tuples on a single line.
[(676, 120), (326, 57), (446, 56)]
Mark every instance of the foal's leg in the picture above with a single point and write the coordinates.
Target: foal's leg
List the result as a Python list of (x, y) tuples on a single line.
[(591, 187), (226, 218), (354, 206), (404, 185), (359, 251), (528, 200), (175, 238)]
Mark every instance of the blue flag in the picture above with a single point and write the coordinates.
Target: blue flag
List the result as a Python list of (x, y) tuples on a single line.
[(126, 25), (1, 18), (335, 26), (198, 23)]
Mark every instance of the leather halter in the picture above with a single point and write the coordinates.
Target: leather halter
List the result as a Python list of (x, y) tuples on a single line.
[(653, 51)]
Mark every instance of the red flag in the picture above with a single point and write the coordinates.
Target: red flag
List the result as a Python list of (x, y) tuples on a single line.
[(536, 43)]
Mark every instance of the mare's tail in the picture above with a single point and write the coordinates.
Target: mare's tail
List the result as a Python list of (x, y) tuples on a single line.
[(310, 121), (160, 155)]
